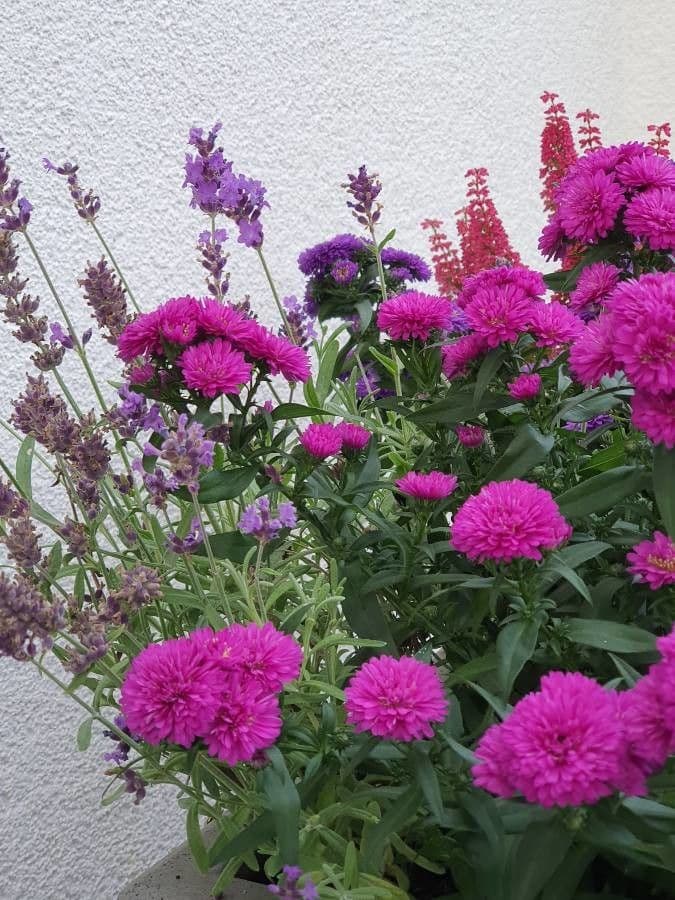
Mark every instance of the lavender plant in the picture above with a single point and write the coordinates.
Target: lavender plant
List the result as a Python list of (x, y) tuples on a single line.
[(409, 635)]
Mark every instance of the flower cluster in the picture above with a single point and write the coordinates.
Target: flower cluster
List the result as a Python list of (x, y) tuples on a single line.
[(258, 521), (213, 346), (219, 686), (627, 186)]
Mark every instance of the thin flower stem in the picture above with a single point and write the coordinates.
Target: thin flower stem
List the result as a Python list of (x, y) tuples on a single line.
[(215, 570), (378, 259), (275, 294), (256, 577), (112, 259)]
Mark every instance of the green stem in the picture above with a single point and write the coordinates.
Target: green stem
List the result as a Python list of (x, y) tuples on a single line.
[(275, 294), (212, 561)]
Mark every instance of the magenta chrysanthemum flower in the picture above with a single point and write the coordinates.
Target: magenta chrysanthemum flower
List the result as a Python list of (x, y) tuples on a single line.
[(655, 415), (643, 320), (553, 324), (427, 486), (354, 437), (588, 204), (260, 654), (500, 313), (525, 386), (470, 435), (552, 241), (509, 520), (321, 441), (528, 282), (594, 286), (647, 170), (246, 721), (277, 353), (455, 358), (171, 692), (221, 320), (592, 355), (648, 735), (396, 699), (140, 337), (414, 315), (214, 368), (651, 218), (561, 746), (179, 320), (654, 561)]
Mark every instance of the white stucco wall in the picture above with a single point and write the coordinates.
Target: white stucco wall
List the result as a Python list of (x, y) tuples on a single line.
[(420, 91)]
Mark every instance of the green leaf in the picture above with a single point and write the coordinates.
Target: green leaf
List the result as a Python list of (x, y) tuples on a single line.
[(557, 566), (488, 369), (399, 813), (664, 486), (610, 636), (458, 406), (569, 873), (230, 545), (326, 374), (221, 485), (195, 839), (515, 645), (296, 411), (259, 832), (630, 675), (540, 851), (283, 802), (427, 779), (574, 555), (84, 734), (528, 449), (601, 492), (24, 467), (470, 670)]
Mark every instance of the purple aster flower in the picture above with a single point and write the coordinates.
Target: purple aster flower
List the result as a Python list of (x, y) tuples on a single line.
[(190, 542), (317, 260), (409, 266), (364, 189), (257, 519), (344, 271), (591, 425)]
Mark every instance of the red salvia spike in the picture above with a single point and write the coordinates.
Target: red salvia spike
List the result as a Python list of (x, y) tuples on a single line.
[(557, 148)]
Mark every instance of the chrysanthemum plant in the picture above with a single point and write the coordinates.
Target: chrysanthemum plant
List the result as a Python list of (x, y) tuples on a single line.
[(404, 631)]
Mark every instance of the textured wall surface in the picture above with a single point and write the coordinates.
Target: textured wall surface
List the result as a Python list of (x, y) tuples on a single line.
[(306, 90)]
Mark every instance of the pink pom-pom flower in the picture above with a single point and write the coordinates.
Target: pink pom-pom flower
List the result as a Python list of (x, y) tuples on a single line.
[(214, 368), (414, 315), (396, 699), (259, 653), (427, 486), (525, 386), (592, 354), (171, 692), (247, 721), (553, 324), (655, 415), (321, 441), (654, 561), (354, 437), (509, 520), (563, 745), (470, 435)]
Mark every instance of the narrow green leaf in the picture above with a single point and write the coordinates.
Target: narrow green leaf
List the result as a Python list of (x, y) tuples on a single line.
[(326, 374), (218, 485), (528, 449), (296, 411), (283, 802), (601, 492), (458, 406), (195, 839), (516, 643), (230, 545), (540, 851), (664, 486), (398, 814), (610, 636), (556, 566), (488, 369), (84, 734), (427, 779), (566, 878), (24, 467)]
